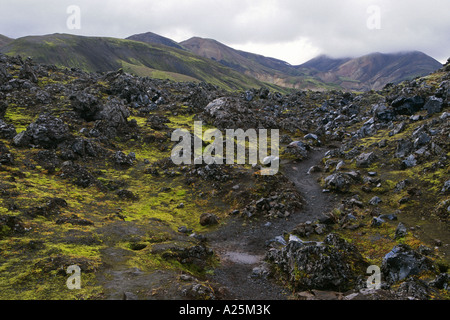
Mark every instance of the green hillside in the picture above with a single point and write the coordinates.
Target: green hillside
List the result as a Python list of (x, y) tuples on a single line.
[(98, 54)]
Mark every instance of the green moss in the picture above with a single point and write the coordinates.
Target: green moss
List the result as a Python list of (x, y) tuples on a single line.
[(19, 117)]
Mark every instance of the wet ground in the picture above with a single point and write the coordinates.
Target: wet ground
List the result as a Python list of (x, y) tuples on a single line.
[(241, 245)]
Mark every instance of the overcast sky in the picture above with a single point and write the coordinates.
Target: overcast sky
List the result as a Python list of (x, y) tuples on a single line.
[(291, 30)]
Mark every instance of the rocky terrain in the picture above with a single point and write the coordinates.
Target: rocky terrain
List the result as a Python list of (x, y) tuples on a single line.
[(86, 179)]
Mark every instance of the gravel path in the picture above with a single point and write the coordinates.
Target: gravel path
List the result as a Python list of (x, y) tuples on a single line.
[(241, 245)]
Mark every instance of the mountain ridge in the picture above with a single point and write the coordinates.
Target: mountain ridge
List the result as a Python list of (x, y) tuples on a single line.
[(375, 70), (153, 38), (4, 40), (103, 54), (258, 66), (371, 71), (208, 60)]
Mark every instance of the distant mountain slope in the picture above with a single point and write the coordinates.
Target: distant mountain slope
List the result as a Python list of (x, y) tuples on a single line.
[(153, 38), (208, 60), (262, 68), (4, 40), (215, 50), (372, 71), (323, 63), (99, 54)]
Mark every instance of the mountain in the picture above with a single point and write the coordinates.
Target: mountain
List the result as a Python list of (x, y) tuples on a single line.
[(372, 71), (199, 59), (260, 67), (4, 40), (368, 72), (153, 38), (101, 54), (323, 63)]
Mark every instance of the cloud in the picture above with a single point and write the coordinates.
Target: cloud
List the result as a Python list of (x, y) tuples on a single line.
[(286, 29)]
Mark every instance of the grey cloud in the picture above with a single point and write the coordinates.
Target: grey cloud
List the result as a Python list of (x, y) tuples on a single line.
[(337, 28)]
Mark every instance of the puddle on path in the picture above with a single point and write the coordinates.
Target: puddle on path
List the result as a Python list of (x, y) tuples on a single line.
[(241, 257)]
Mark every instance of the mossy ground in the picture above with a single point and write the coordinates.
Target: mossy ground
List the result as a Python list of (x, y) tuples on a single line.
[(33, 264), (144, 229)]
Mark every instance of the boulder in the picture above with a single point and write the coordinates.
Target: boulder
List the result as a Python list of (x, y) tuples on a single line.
[(377, 222), (401, 231), (339, 182), (446, 187), (408, 106), (115, 113), (398, 129), (86, 105), (231, 113), (402, 261), (443, 209), (27, 72), (84, 147), (383, 113), (47, 132), (121, 159), (298, 149), (404, 147), (5, 76), (414, 289), (332, 265), (311, 136), (79, 175), (433, 105), (208, 219), (421, 140), (7, 131), (22, 139), (374, 201), (409, 162), (442, 281), (114, 120), (364, 160)]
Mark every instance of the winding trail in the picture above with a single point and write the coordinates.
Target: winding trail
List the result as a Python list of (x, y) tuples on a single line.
[(241, 245)]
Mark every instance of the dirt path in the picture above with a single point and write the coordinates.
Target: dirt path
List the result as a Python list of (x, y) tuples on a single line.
[(241, 246)]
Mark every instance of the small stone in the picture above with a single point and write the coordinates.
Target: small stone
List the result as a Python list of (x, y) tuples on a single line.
[(446, 187), (208, 219), (375, 201), (401, 231), (129, 296), (377, 221), (184, 229)]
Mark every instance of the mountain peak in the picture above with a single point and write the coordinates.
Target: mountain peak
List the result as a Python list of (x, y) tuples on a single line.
[(374, 70), (153, 38)]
